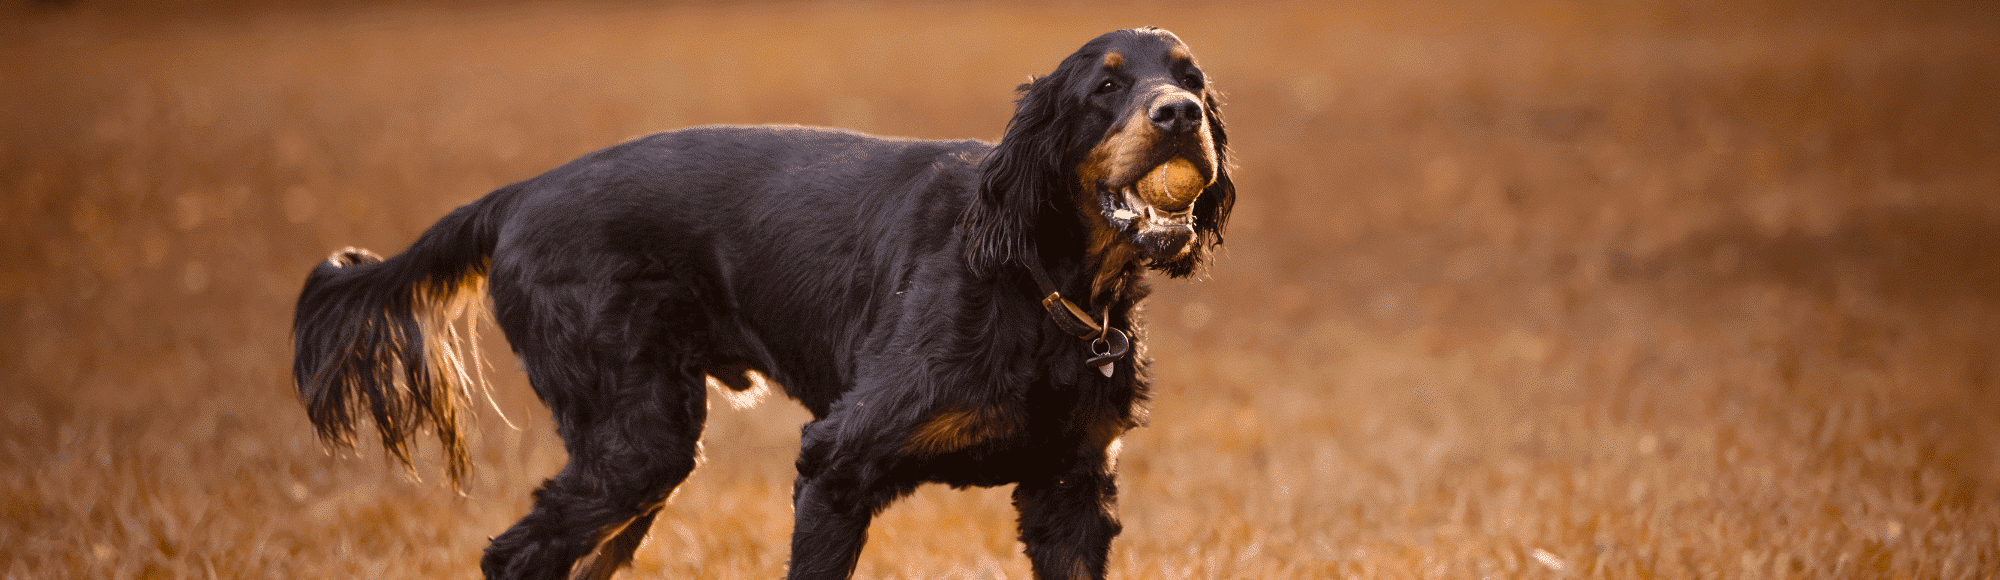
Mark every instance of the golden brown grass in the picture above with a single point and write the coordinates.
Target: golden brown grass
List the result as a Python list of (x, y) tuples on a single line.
[(1537, 290)]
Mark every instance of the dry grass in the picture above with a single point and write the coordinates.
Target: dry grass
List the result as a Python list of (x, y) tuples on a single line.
[(1538, 290)]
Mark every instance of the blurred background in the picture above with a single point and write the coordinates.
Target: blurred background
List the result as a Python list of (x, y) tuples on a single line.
[(1638, 289)]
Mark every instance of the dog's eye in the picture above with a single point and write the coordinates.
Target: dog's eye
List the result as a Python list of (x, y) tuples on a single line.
[(1109, 85), (1193, 81)]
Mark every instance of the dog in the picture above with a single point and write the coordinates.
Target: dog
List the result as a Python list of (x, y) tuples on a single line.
[(956, 312)]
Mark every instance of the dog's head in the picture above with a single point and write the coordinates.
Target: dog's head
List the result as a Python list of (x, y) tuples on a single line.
[(1125, 135)]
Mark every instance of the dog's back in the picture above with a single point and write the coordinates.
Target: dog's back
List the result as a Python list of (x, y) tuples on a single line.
[(776, 231)]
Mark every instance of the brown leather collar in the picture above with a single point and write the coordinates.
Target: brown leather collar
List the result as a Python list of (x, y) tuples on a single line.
[(1107, 344)]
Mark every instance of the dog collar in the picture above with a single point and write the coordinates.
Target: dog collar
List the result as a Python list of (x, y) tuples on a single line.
[(1107, 344)]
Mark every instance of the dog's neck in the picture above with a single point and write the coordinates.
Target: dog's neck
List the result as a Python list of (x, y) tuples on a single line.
[(1096, 326), (1114, 269), (1104, 270)]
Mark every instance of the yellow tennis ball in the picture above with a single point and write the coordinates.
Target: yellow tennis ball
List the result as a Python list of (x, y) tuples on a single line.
[(1172, 186)]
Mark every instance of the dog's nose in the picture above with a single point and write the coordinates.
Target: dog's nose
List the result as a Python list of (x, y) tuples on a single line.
[(1176, 113)]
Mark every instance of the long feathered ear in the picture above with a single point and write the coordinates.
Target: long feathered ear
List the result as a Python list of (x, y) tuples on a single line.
[(1018, 181), (1211, 210)]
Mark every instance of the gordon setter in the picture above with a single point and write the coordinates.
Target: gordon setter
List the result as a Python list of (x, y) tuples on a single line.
[(956, 312)]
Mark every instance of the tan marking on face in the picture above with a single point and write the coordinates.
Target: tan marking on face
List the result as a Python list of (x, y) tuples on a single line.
[(1114, 60), (1180, 54), (1116, 157), (954, 429)]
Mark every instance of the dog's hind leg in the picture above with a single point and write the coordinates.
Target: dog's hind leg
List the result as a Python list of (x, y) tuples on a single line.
[(629, 403), (627, 453), (618, 550)]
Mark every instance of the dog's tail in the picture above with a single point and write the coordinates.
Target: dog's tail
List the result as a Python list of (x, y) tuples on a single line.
[(378, 337)]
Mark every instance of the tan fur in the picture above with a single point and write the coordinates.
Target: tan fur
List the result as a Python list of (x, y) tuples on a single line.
[(956, 429)]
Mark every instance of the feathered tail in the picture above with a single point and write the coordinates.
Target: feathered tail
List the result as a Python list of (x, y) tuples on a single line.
[(374, 336)]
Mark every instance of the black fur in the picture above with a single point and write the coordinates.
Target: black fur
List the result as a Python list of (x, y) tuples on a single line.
[(881, 282)]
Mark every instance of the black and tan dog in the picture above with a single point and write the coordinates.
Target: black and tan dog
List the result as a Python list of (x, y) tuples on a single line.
[(950, 311)]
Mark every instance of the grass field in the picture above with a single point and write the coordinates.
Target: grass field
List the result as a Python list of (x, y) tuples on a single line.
[(1513, 289)]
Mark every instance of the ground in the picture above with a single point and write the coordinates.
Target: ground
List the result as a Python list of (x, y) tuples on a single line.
[(1513, 289)]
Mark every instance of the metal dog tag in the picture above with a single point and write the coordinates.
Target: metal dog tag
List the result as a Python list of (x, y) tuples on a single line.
[(1107, 349)]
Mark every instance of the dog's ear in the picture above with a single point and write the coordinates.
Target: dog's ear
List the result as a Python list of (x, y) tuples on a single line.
[(1019, 181), (1211, 210)]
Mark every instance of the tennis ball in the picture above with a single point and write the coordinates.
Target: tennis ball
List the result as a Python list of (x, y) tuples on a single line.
[(1172, 186)]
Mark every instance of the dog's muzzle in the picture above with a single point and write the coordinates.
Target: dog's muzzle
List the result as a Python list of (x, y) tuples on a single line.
[(1158, 233)]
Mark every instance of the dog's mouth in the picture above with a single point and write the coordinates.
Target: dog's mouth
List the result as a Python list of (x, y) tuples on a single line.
[(1156, 211)]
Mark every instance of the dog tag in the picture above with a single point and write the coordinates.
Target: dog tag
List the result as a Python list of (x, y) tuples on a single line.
[(1107, 349)]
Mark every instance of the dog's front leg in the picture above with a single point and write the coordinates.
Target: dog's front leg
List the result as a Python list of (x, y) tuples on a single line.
[(832, 503), (828, 530), (1067, 523)]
